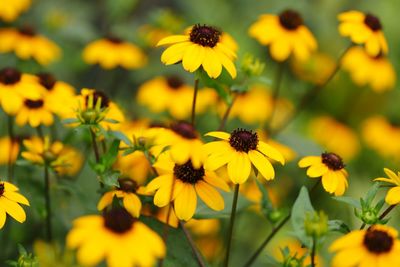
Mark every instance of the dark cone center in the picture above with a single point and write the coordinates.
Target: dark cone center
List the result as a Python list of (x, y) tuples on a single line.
[(204, 35), (184, 129), (114, 40), (187, 173), (127, 185), (118, 220), (174, 82), (27, 31), (47, 80), (34, 104), (9, 76), (97, 95), (372, 22), (1, 189), (332, 161), (243, 140), (290, 19), (378, 241)]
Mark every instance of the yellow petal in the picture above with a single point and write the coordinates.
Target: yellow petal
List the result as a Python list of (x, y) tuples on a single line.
[(213, 179), (9, 187), (132, 204), (16, 197), (226, 62), (13, 209), (393, 196), (392, 175), (186, 202), (91, 252), (317, 170), (271, 152), (215, 161), (211, 63), (3, 216), (352, 239), (308, 161), (105, 200), (217, 147), (174, 53), (157, 182), (329, 181), (193, 57), (173, 39), (280, 49), (239, 168), (163, 196), (220, 135), (262, 164), (209, 195)]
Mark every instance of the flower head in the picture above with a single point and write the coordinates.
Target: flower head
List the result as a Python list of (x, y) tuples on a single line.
[(202, 46), (10, 10), (393, 195), (239, 151), (117, 237), (9, 203), (286, 34), (378, 246), (34, 111), (9, 149), (363, 29)]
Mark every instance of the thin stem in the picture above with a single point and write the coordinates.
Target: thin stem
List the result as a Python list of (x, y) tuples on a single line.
[(311, 94), (47, 203), (383, 215), (196, 89), (275, 96), (226, 115), (231, 224), (313, 251), (10, 165), (95, 147), (189, 238)]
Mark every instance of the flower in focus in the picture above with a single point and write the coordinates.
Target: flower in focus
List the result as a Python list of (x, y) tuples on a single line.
[(393, 195), (26, 44), (126, 190), (35, 112), (181, 183), (363, 29), (10, 10), (330, 167), (239, 151), (203, 46), (285, 34), (117, 237), (377, 246), (375, 71), (174, 96), (9, 150), (10, 201), (111, 52), (341, 138)]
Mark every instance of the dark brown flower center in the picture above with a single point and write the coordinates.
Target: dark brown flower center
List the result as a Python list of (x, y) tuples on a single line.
[(47, 80), (1, 189), (118, 220), (378, 241), (9, 76), (187, 173), (184, 129), (27, 31), (127, 185), (243, 140), (372, 22), (174, 82), (34, 104), (290, 19), (204, 35), (114, 39), (332, 161), (97, 95)]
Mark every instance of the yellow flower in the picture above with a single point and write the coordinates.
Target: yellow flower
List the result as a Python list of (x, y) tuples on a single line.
[(181, 183), (341, 139), (10, 10), (52, 254), (287, 153), (70, 161), (285, 34), (112, 52), (14, 88), (165, 214), (127, 191), (375, 71), (26, 44), (393, 195), (174, 96), (9, 150), (331, 167), (117, 237), (203, 46), (151, 35), (239, 151), (9, 203), (34, 111), (363, 29), (378, 247)]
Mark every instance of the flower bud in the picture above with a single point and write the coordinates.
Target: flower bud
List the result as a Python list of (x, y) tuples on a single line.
[(316, 224)]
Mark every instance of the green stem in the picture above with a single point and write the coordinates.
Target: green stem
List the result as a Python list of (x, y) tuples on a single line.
[(10, 165), (196, 89), (275, 96), (95, 146), (189, 238), (231, 225), (226, 114), (313, 251), (47, 203)]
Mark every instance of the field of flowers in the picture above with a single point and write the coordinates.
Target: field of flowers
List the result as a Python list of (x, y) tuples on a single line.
[(199, 133)]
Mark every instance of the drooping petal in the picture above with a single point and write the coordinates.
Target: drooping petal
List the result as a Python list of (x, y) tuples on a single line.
[(13, 209), (209, 195), (239, 168), (193, 57), (308, 161), (211, 63), (317, 170), (186, 202), (393, 196), (271, 152), (214, 180), (329, 182), (105, 200), (132, 204), (262, 164), (16, 197)]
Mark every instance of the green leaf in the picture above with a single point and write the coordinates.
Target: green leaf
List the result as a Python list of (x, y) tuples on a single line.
[(216, 85), (349, 200), (70, 120), (120, 136), (110, 178), (371, 193), (110, 157), (301, 207), (204, 212), (338, 226)]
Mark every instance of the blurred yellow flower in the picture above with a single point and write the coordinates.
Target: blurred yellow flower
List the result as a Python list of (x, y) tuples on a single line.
[(10, 201), (331, 167), (35, 112), (393, 195), (174, 96), (151, 35), (117, 237), (9, 150), (363, 29), (288, 153), (164, 214), (26, 44), (316, 69), (241, 150), (10, 10), (70, 161), (52, 254), (285, 34), (297, 251), (341, 139), (181, 183), (111, 52), (203, 46), (375, 71), (377, 246)]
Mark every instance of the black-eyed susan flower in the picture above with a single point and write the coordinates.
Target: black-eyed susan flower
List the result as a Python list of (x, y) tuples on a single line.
[(10, 201), (14, 88), (375, 71), (202, 46), (116, 237), (174, 96), (9, 149), (181, 183), (70, 161), (341, 139), (378, 247), (10, 10), (364, 29), (241, 150), (27, 44), (330, 167), (286, 35), (34, 111), (127, 191), (111, 52), (393, 195)]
